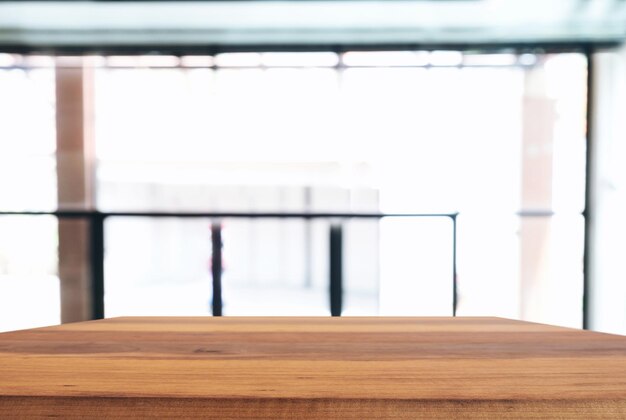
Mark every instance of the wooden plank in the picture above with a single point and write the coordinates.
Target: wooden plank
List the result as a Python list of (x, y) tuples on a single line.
[(312, 368)]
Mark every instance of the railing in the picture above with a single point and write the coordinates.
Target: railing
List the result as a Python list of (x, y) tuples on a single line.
[(97, 244)]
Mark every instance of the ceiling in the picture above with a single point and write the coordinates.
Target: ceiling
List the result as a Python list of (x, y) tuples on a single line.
[(86, 25)]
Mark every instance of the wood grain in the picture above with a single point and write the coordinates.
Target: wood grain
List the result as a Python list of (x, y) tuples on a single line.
[(312, 368)]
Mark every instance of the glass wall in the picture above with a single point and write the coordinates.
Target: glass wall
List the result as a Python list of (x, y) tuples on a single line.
[(29, 285), (497, 137)]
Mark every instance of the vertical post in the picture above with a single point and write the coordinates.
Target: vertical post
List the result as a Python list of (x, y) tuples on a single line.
[(75, 175), (216, 267), (537, 168), (336, 269), (96, 252), (455, 295), (589, 192)]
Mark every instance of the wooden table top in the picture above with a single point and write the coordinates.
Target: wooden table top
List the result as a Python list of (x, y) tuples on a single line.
[(312, 368)]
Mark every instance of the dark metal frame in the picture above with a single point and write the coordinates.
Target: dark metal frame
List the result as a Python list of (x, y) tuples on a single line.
[(203, 49), (97, 245), (588, 213), (216, 268), (335, 263)]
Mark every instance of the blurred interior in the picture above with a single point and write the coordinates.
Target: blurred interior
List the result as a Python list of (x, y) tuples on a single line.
[(485, 136)]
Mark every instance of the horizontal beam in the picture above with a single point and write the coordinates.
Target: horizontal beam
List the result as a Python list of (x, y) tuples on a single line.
[(251, 215), (150, 25), (247, 215), (213, 49)]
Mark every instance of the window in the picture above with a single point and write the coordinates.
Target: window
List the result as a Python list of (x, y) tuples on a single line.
[(29, 285), (497, 137)]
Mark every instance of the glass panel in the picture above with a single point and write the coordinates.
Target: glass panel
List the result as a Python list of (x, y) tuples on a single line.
[(527, 268), (27, 139), (488, 265), (440, 139), (362, 265), (157, 267), (275, 267), (416, 266), (552, 270), (566, 76), (29, 285), (391, 132), (216, 162), (486, 141)]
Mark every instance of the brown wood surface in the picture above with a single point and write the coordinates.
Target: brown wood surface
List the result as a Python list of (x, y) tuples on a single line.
[(312, 368)]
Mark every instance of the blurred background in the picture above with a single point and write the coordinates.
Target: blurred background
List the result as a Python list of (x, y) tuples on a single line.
[(352, 157)]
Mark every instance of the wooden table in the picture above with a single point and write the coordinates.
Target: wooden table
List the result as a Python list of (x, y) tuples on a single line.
[(356, 368)]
